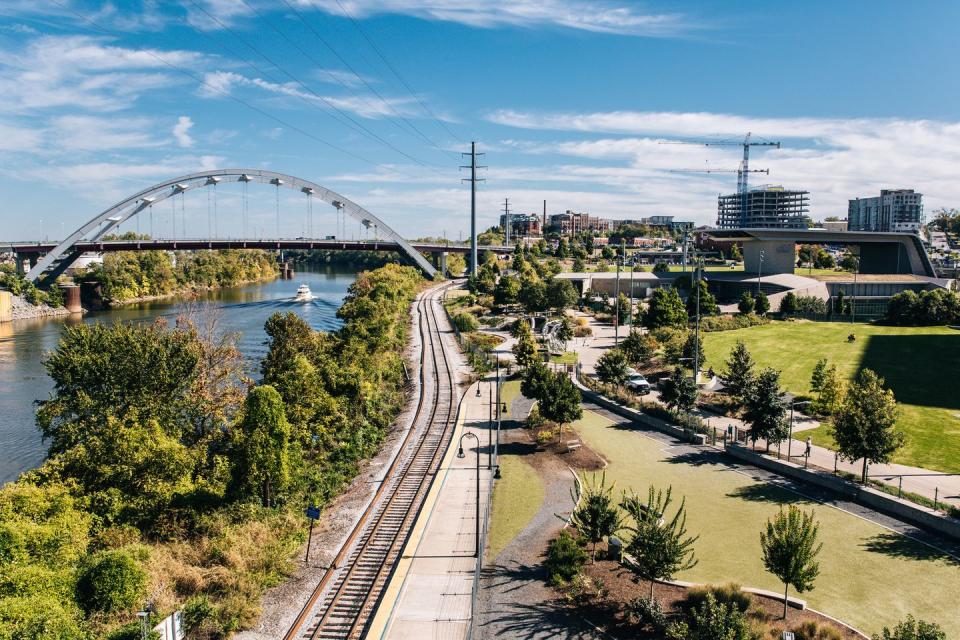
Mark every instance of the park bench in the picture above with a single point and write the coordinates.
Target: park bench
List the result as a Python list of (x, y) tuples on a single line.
[(573, 445)]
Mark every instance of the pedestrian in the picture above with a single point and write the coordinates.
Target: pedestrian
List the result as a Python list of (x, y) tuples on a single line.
[(809, 446)]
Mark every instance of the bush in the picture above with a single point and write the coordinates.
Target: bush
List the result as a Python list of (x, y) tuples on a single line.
[(132, 631), (646, 613), (730, 323), (810, 630), (811, 305), (728, 594), (713, 620), (545, 437), (565, 559), (111, 581), (465, 322), (534, 419), (911, 629)]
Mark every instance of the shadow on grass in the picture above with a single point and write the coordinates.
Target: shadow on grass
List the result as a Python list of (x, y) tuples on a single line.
[(517, 449), (762, 492), (895, 358), (900, 546), (695, 458)]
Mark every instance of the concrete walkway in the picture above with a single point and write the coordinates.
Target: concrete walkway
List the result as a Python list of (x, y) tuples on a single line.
[(932, 485), (431, 593)]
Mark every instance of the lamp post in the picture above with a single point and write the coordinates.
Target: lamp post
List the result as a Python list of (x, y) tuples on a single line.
[(759, 270), (790, 435), (490, 431), (462, 455)]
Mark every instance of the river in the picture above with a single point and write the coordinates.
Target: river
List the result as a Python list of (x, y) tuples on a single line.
[(23, 344)]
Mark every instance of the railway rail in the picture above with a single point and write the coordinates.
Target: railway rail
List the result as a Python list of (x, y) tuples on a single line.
[(343, 603)]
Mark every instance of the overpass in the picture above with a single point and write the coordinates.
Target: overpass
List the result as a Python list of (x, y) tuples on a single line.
[(774, 250), (51, 259)]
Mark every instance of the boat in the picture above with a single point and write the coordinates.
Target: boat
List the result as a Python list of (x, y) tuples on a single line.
[(303, 294)]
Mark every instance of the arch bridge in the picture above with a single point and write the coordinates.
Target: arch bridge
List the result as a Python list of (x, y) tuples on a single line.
[(56, 258)]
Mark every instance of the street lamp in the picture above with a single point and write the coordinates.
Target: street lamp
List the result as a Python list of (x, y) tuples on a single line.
[(462, 455), (790, 435), (759, 270)]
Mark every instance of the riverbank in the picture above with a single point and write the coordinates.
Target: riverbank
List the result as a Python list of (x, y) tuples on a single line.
[(23, 310), (179, 293)]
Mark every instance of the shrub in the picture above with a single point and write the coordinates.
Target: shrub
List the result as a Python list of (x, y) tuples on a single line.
[(465, 322), (544, 437), (534, 419), (111, 581), (646, 613), (565, 559), (713, 620), (132, 631), (582, 332), (730, 322), (728, 594), (811, 305), (810, 630), (912, 629)]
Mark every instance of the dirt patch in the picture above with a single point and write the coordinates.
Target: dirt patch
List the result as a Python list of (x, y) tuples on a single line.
[(621, 586)]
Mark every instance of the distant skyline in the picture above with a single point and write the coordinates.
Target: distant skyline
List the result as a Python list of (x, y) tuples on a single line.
[(570, 101)]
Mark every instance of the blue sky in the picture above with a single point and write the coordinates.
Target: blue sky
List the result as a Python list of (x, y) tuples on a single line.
[(569, 99)]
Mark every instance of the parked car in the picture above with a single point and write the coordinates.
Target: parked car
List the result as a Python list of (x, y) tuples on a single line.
[(636, 382)]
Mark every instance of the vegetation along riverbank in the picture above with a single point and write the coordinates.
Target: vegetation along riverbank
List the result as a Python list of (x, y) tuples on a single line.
[(171, 478)]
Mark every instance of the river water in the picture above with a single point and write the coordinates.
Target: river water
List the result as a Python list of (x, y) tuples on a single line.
[(23, 344)]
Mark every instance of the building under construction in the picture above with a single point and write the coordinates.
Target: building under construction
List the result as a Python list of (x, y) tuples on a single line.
[(763, 208)]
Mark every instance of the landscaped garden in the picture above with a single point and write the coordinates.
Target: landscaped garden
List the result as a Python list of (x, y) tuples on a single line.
[(918, 363), (869, 576)]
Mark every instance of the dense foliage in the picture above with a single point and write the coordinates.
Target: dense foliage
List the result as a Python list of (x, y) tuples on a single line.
[(16, 284), (167, 480), (935, 307), (125, 275)]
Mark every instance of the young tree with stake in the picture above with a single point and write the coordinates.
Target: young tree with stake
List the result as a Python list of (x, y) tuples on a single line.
[(790, 549), (596, 515)]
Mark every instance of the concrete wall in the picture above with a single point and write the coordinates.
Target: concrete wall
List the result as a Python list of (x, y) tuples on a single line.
[(883, 502), (6, 306), (778, 256)]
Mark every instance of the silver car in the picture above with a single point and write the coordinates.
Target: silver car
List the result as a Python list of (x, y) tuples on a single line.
[(636, 382)]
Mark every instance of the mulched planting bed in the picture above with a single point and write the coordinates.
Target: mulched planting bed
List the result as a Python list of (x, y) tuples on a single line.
[(621, 588)]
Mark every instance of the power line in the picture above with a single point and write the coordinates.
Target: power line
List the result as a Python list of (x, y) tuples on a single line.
[(215, 89), (356, 125), (393, 70)]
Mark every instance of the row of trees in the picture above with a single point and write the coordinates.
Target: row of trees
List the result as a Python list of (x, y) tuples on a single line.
[(165, 466), (934, 307)]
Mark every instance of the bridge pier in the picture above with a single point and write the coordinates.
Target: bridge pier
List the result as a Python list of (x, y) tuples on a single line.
[(286, 270), (440, 262), (71, 298)]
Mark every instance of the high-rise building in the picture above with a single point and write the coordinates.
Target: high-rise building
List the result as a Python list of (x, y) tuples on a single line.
[(894, 210), (763, 208)]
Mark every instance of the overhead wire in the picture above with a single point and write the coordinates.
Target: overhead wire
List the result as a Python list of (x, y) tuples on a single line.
[(353, 122), (394, 71), (230, 96)]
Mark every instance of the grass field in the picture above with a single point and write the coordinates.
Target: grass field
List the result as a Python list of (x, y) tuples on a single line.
[(517, 497), (569, 357), (869, 576), (510, 390), (920, 364)]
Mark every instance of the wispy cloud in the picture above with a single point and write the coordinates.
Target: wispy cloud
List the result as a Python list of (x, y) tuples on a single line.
[(181, 131), (602, 16)]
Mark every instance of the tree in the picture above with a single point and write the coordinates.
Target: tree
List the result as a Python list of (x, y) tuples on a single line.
[(507, 290), (525, 350), (110, 580), (596, 515), (766, 408), (708, 303), (679, 391), (639, 349), (262, 459), (735, 253), (912, 629), (788, 304), (612, 367), (863, 427), (693, 350), (622, 309), (739, 374), (564, 559), (560, 401), (533, 294), (790, 549), (818, 375), (761, 304), (607, 253), (565, 330), (665, 309), (561, 295), (579, 265), (535, 381), (660, 546), (746, 304), (832, 391), (661, 267)]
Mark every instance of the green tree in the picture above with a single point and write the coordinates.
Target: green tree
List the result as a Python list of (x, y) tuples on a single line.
[(747, 304), (639, 349), (612, 367), (863, 426), (535, 381), (788, 304), (111, 580), (665, 309), (561, 295), (560, 401), (818, 375), (659, 544), (765, 409), (708, 303), (912, 629), (595, 516), (525, 350), (713, 620), (622, 309), (735, 253), (761, 304), (564, 559), (607, 253), (790, 550), (832, 391), (693, 350), (739, 374), (565, 330), (533, 294), (661, 267), (679, 391), (262, 460), (507, 290), (579, 265)]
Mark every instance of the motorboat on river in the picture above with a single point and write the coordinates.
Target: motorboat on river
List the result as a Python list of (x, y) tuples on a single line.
[(303, 294)]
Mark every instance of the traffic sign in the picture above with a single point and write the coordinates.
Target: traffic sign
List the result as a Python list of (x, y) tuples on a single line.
[(313, 512)]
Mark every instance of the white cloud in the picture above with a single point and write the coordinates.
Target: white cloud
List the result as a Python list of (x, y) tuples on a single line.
[(181, 131), (93, 133), (600, 16), (218, 84)]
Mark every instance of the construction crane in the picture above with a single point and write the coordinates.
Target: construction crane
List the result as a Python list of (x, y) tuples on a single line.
[(739, 172), (742, 186)]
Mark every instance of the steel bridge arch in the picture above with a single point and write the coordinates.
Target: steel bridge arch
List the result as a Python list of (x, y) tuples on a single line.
[(137, 203)]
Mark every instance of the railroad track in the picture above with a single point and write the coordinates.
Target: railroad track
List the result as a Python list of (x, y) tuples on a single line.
[(343, 603)]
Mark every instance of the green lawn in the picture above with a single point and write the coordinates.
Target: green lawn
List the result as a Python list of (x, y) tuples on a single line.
[(919, 364), (510, 390), (869, 576), (517, 497), (569, 357)]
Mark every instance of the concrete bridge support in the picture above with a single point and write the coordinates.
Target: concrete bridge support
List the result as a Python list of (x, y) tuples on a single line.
[(440, 261), (71, 298)]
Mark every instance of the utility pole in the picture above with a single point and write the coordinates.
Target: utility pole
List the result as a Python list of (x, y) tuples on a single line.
[(507, 222), (473, 179)]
